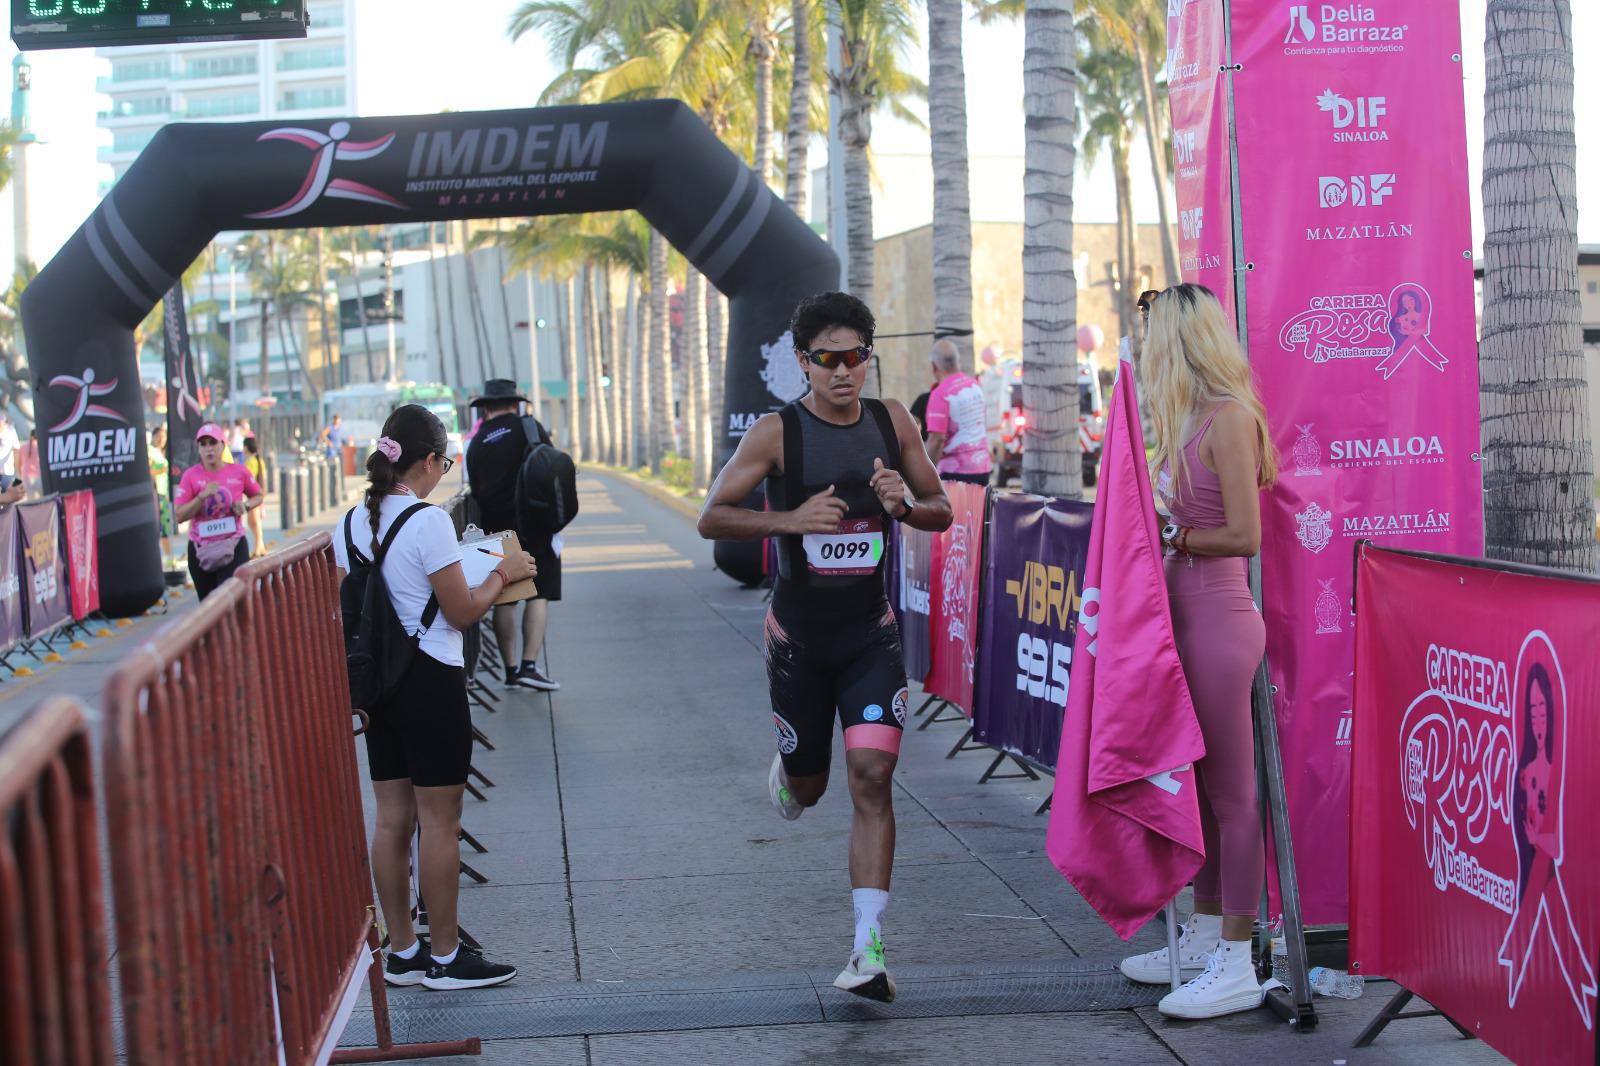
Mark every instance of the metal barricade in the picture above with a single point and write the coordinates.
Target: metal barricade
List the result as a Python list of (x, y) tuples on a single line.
[(244, 906), (56, 1005)]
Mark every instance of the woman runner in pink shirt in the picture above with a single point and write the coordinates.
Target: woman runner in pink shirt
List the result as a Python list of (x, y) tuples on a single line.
[(214, 496)]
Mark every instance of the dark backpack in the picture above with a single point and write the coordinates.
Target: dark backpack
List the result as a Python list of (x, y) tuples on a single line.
[(377, 648), (547, 485)]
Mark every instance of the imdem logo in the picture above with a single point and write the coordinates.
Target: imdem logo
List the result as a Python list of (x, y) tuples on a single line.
[(75, 451)]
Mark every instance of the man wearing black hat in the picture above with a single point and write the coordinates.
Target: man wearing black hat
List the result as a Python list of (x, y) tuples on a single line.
[(493, 459)]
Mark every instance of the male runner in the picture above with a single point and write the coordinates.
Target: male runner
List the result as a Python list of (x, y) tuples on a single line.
[(838, 468)]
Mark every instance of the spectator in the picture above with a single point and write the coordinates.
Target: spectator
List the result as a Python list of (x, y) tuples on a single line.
[(258, 470), (236, 435), (919, 411), (161, 473), (332, 438), (214, 496), (9, 445), (13, 492), (419, 742), (958, 434), (493, 460), (30, 463)]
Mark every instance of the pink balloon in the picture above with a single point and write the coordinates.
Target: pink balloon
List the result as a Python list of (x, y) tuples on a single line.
[(1090, 337)]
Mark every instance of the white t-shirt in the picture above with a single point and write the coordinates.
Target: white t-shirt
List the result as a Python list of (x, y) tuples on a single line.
[(8, 450), (425, 545)]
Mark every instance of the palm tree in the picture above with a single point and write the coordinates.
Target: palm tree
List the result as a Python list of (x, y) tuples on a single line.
[(762, 52), (1109, 83), (661, 394), (356, 236), (952, 206), (797, 138), (1052, 464), (1539, 481), (874, 36)]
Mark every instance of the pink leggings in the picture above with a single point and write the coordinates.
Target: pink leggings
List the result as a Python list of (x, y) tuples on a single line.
[(1221, 639)]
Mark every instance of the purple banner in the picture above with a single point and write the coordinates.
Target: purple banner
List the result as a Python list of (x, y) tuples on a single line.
[(47, 589), (913, 573), (1033, 584), (13, 625)]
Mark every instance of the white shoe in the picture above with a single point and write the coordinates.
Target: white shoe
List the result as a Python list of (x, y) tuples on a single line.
[(1228, 985), (867, 975), (782, 798), (1197, 940)]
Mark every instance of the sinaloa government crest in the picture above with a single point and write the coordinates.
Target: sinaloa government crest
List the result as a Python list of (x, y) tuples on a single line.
[(1307, 453), (782, 374), (1315, 527)]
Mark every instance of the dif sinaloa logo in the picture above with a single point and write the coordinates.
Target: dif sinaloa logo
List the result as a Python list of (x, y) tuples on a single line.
[(93, 438)]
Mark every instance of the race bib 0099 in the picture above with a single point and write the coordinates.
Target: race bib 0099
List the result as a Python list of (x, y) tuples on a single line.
[(853, 549)]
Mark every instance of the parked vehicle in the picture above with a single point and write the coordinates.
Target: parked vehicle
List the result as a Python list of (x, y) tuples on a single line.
[(1008, 439)]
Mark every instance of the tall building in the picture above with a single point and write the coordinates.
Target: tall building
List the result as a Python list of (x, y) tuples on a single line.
[(229, 81)]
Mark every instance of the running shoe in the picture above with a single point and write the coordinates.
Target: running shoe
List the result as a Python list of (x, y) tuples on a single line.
[(405, 972), (1227, 985), (867, 976), (782, 798), (513, 679), (532, 677), (469, 969), (1197, 939)]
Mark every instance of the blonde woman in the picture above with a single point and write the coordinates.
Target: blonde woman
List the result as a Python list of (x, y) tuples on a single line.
[(1212, 458)]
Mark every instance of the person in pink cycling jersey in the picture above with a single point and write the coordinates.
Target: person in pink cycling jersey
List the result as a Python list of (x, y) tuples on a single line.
[(958, 439), (214, 496)]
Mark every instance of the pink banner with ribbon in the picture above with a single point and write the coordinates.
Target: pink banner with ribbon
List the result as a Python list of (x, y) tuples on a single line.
[(1197, 94), (1361, 329), (1477, 798)]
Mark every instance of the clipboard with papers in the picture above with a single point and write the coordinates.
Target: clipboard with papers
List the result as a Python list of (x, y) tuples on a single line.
[(481, 552)]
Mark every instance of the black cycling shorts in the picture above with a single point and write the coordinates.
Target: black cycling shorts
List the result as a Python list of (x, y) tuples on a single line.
[(819, 665), (424, 731)]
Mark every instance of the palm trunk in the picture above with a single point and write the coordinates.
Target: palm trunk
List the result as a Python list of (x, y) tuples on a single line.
[(717, 355), (644, 396), (797, 139), (695, 351), (318, 243), (505, 307), (1127, 244), (661, 383), (1539, 477), (438, 314), (612, 423), (691, 379), (628, 378), (856, 133), (952, 209), (450, 295), (567, 308), (480, 319), (1157, 143), (761, 51), (361, 303), (594, 403), (266, 355), (1052, 465)]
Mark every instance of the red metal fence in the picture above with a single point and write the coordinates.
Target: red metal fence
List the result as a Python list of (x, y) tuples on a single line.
[(244, 896), (56, 1003)]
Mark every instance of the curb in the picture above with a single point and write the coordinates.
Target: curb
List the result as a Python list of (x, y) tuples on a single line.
[(649, 488)]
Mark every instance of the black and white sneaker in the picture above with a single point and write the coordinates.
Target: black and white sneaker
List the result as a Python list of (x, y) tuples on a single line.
[(531, 676), (469, 969), (513, 679), (405, 972)]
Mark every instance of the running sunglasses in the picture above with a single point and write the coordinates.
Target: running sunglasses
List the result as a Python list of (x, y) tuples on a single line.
[(827, 358)]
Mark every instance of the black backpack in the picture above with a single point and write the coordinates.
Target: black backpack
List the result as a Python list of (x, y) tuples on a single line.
[(377, 648), (546, 492)]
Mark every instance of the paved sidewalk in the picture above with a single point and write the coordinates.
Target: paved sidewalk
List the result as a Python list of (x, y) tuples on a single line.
[(659, 909)]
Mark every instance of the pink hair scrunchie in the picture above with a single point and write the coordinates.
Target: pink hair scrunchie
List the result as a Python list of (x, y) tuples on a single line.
[(390, 448)]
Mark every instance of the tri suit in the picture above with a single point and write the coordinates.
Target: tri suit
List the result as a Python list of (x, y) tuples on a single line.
[(832, 643)]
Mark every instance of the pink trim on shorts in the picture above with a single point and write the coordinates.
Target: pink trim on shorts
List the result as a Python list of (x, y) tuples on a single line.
[(871, 735)]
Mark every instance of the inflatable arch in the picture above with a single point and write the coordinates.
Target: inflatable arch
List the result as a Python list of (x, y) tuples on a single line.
[(197, 180)]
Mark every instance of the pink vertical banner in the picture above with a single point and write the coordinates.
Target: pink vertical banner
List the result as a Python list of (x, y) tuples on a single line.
[(1361, 328), (1197, 97)]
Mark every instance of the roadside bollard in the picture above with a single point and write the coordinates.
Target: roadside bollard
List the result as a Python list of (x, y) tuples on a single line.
[(335, 484), (286, 500), (300, 479), (313, 490)]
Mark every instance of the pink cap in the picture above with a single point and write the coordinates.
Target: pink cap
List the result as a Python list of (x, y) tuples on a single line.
[(212, 430)]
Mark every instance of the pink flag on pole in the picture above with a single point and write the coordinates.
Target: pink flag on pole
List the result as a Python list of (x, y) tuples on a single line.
[(1125, 820)]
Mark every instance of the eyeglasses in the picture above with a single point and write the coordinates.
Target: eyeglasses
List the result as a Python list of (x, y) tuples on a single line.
[(447, 461), (827, 358)]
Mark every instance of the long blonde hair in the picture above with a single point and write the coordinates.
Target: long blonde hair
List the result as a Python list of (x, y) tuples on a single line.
[(1191, 360)]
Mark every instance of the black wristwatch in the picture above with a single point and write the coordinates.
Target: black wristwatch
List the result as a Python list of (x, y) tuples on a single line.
[(911, 505)]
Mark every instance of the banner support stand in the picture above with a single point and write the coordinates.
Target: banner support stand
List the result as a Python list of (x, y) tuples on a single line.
[(1294, 1005), (938, 714), (1394, 1010)]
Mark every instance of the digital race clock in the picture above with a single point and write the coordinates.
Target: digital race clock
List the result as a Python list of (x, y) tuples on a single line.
[(81, 23)]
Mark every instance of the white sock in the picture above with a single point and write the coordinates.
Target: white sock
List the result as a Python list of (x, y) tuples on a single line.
[(869, 907), (446, 960), (409, 953)]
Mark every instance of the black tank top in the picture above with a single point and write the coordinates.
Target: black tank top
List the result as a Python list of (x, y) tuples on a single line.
[(816, 454)]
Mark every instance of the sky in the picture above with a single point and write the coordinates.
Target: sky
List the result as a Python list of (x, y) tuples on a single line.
[(408, 61)]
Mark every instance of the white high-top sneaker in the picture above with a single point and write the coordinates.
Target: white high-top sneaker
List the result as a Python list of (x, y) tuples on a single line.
[(1197, 940), (1228, 985)]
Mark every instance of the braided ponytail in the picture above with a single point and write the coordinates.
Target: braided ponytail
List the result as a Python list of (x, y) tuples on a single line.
[(410, 435)]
